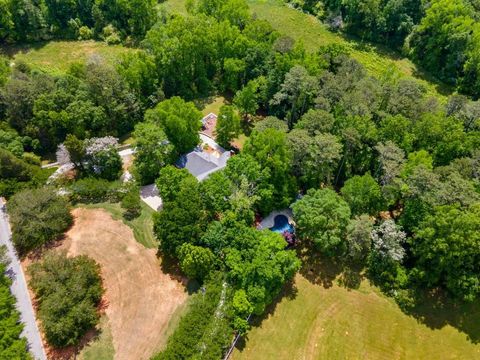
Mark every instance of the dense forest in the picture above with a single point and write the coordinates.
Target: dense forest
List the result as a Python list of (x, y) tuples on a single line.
[(380, 176), (443, 36)]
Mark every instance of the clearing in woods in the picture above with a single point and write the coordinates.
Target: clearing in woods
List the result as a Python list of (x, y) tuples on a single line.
[(55, 57), (313, 321), (141, 300)]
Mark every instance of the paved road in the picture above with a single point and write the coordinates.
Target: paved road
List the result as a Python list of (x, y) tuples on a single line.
[(20, 291)]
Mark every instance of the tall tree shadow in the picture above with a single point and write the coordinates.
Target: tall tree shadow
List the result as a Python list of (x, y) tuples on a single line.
[(289, 291), (318, 269), (436, 310)]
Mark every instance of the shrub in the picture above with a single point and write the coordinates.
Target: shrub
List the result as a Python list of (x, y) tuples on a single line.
[(37, 216), (131, 204), (196, 261), (68, 291), (93, 190), (85, 33)]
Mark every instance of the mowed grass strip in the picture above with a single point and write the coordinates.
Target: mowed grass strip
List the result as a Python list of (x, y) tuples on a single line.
[(55, 57), (142, 225), (338, 323)]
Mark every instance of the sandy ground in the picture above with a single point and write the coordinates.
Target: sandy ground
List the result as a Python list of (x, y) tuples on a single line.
[(140, 298)]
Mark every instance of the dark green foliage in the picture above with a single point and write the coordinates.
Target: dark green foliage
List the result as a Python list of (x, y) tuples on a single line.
[(205, 330), (446, 248), (37, 217), (182, 219), (228, 125), (27, 20), (131, 203), (12, 346), (92, 190), (69, 291), (322, 217), (47, 108)]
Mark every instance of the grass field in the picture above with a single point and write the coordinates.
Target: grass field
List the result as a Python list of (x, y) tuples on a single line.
[(307, 29), (316, 322), (142, 226), (56, 56)]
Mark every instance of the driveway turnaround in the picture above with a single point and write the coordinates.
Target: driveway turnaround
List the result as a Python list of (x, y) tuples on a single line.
[(20, 291)]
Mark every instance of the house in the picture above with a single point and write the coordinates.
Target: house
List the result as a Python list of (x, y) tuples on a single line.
[(205, 159)]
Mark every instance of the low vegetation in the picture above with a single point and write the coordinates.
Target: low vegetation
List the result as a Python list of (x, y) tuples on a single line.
[(204, 329), (68, 291)]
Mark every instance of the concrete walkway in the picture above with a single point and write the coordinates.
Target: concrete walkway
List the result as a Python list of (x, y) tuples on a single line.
[(20, 291)]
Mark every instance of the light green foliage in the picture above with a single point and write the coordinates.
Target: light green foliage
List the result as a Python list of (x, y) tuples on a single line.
[(270, 149), (258, 263), (153, 151), (195, 261), (417, 158), (322, 217), (180, 120), (363, 195), (246, 99), (444, 42), (170, 181), (228, 125), (69, 291), (271, 122), (37, 217)]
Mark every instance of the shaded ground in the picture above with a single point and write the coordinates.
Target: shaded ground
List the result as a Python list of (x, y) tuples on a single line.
[(140, 298), (313, 321)]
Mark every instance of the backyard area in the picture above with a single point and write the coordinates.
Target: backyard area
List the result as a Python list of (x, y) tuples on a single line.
[(332, 322)]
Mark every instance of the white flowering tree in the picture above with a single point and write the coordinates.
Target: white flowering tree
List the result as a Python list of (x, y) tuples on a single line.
[(388, 240)]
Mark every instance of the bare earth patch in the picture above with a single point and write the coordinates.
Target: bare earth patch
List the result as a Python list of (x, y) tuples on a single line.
[(140, 298)]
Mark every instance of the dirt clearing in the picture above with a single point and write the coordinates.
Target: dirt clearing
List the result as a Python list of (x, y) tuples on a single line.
[(140, 298)]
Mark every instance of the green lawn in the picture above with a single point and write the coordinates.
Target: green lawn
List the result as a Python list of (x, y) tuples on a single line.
[(313, 33), (56, 56), (338, 323), (101, 348), (142, 226)]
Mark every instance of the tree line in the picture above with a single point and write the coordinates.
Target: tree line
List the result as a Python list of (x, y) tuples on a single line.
[(442, 35), (112, 21)]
